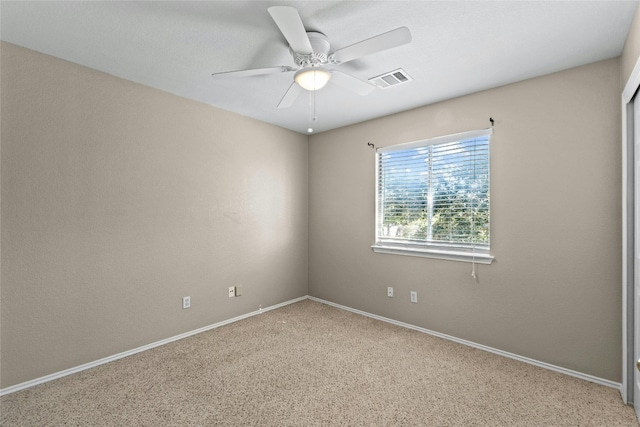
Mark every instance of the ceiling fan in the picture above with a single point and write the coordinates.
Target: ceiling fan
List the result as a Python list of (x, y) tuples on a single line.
[(312, 55)]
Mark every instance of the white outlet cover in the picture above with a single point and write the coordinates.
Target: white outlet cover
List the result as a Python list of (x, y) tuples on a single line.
[(390, 292), (414, 296), (186, 302), (232, 291)]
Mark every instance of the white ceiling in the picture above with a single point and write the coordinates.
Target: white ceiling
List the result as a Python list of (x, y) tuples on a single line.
[(458, 47)]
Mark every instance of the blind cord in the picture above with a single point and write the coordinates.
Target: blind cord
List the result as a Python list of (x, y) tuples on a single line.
[(473, 221), (473, 264), (473, 218)]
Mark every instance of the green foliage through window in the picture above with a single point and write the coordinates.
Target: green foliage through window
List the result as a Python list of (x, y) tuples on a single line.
[(435, 194)]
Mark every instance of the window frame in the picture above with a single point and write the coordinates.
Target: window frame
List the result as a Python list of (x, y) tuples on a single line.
[(451, 252)]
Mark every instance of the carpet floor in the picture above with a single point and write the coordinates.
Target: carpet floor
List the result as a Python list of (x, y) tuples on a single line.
[(310, 364)]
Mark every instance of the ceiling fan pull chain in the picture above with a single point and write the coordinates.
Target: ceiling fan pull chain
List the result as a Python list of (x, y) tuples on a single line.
[(314, 107), (312, 110)]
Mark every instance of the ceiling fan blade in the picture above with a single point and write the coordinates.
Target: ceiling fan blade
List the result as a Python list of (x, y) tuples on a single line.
[(351, 83), (288, 21), (253, 72), (378, 43), (289, 98)]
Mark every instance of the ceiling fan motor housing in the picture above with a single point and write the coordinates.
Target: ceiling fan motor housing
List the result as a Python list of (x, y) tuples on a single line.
[(320, 45)]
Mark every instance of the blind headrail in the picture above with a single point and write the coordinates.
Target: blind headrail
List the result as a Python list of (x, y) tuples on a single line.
[(462, 136)]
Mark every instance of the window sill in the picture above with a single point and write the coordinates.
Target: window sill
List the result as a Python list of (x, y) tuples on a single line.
[(478, 258)]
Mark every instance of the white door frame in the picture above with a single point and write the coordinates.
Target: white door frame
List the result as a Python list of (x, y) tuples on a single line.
[(628, 363)]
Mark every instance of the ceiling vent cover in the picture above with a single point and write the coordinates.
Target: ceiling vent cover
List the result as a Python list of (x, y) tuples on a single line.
[(391, 78)]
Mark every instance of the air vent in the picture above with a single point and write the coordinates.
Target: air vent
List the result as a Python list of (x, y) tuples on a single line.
[(392, 78)]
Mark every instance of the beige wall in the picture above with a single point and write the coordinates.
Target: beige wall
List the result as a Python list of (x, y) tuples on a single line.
[(553, 293), (119, 199), (631, 51)]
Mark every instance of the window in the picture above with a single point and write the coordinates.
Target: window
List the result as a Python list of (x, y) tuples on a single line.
[(433, 198)]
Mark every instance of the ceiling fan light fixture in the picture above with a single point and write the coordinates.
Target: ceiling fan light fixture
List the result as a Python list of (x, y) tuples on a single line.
[(312, 78)]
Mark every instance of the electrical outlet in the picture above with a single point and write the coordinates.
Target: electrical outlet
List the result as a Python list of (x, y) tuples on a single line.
[(390, 292), (232, 291), (186, 302), (414, 296)]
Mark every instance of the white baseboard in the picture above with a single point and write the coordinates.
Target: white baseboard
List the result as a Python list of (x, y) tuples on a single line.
[(108, 359), (545, 365)]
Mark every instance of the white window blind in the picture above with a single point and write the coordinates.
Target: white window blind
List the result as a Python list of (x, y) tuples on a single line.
[(433, 195)]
